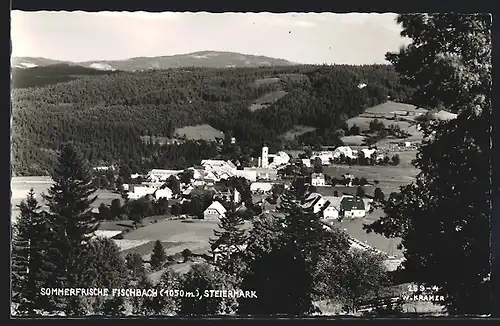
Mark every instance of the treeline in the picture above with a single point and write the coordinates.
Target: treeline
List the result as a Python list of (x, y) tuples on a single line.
[(52, 74), (107, 115)]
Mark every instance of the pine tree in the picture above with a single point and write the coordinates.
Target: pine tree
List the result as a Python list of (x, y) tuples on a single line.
[(69, 200), (229, 242), (158, 256), (29, 262)]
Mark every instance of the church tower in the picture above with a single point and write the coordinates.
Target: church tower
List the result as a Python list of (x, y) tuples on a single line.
[(265, 156)]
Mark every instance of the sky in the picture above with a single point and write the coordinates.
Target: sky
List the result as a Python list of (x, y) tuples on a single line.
[(310, 38)]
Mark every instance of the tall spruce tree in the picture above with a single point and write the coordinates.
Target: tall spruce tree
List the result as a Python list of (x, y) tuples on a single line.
[(158, 256), (69, 200), (228, 242), (30, 263)]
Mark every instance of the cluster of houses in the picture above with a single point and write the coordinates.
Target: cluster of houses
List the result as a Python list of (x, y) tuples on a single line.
[(261, 178), (335, 208), (327, 157)]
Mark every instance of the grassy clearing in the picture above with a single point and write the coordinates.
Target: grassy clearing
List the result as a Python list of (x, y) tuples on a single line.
[(390, 107), (297, 131), (390, 178), (353, 140), (266, 81), (205, 132), (267, 100), (146, 248), (355, 229)]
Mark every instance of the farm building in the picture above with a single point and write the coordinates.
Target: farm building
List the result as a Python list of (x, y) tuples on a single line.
[(345, 151), (136, 192), (325, 157), (349, 206), (217, 251), (318, 180), (197, 173), (163, 193), (263, 173), (368, 152), (214, 212), (261, 187), (247, 174), (218, 165), (352, 207), (157, 175), (187, 191), (321, 204)]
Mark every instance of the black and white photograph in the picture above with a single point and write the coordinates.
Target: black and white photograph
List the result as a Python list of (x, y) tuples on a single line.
[(198, 164)]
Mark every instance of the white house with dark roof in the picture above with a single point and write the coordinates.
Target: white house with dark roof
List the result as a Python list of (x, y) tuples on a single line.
[(318, 180), (214, 212), (321, 204)]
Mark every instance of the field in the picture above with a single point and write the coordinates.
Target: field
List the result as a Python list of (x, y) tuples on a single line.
[(191, 234), (267, 100), (205, 132), (385, 114), (297, 131), (353, 140), (390, 178), (355, 229), (266, 81), (20, 187)]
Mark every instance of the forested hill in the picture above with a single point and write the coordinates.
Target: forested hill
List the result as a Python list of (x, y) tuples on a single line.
[(207, 59), (52, 74), (109, 115)]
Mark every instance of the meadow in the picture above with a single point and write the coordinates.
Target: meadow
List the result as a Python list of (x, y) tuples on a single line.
[(203, 131)]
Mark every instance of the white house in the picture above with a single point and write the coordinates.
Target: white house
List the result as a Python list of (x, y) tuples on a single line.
[(125, 187), (345, 150), (330, 213), (261, 186), (157, 175), (135, 176), (353, 207), (307, 162), (324, 156), (217, 251), (163, 193), (187, 191), (320, 203), (214, 212), (368, 152), (196, 173), (263, 173), (247, 174), (279, 159), (318, 180), (136, 192), (218, 165)]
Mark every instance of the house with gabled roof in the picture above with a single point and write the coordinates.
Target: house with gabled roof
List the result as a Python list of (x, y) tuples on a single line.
[(214, 212)]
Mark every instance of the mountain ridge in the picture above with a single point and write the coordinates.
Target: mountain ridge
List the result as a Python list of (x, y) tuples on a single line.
[(207, 59)]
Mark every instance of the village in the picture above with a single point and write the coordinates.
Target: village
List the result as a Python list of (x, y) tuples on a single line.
[(337, 200), (269, 172)]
